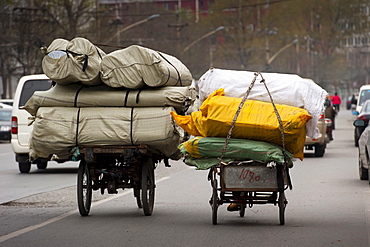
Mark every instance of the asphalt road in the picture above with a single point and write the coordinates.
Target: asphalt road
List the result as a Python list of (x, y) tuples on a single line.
[(328, 206)]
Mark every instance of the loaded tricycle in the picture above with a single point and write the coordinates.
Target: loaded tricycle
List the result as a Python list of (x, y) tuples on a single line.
[(251, 165), (117, 167), (246, 183)]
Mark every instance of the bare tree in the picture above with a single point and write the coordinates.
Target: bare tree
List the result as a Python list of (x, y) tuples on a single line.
[(7, 50)]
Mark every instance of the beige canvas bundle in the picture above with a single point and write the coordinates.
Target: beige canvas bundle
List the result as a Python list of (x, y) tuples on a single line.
[(137, 67), (73, 61), (57, 129), (77, 95)]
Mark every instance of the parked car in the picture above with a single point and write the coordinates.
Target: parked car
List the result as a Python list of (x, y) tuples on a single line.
[(7, 101), (363, 150), (27, 85), (363, 95), (5, 123), (352, 102), (319, 144), (364, 115), (349, 102), (5, 106)]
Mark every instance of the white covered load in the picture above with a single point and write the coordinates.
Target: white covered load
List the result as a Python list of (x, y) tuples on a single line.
[(56, 130), (77, 95), (287, 89), (137, 67), (73, 61)]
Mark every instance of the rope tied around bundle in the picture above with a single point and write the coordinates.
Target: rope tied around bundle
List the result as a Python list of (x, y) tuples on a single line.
[(281, 127)]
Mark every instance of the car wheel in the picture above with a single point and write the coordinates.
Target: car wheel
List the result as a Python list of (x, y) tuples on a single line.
[(363, 172), (24, 167), (42, 164), (319, 150)]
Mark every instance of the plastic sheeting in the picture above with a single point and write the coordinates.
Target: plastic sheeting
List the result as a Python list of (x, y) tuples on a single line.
[(81, 62), (256, 121), (77, 95), (137, 67), (286, 89), (57, 129)]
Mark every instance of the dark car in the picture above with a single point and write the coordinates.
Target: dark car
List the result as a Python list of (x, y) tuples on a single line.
[(363, 149), (351, 102), (365, 116), (5, 123)]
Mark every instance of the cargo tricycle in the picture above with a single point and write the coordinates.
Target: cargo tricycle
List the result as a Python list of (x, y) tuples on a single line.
[(249, 182), (117, 167), (246, 183)]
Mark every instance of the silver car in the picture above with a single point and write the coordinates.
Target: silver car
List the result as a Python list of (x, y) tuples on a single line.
[(5, 123), (363, 149)]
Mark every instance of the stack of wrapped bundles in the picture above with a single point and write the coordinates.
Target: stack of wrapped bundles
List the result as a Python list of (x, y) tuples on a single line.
[(83, 113), (286, 89), (256, 121), (298, 102)]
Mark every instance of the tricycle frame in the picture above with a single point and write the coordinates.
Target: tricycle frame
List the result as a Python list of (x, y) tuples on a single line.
[(117, 167), (269, 191)]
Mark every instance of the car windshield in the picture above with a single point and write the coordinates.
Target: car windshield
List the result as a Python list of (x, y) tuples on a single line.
[(5, 115), (365, 95)]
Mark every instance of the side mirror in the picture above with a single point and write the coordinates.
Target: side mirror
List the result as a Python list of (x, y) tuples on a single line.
[(355, 113), (359, 123)]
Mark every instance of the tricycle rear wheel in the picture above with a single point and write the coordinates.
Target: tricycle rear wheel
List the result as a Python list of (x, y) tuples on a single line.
[(242, 209), (84, 189), (137, 194), (147, 187), (282, 204), (214, 202)]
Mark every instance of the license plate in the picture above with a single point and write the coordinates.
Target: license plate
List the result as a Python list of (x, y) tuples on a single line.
[(250, 177)]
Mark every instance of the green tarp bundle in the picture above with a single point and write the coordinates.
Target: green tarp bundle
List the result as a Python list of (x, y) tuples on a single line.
[(203, 152)]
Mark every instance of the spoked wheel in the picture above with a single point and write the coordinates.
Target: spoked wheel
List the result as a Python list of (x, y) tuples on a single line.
[(147, 187), (214, 202), (138, 198), (84, 189), (282, 202)]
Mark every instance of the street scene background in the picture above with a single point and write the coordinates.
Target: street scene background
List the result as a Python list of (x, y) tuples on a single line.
[(328, 206)]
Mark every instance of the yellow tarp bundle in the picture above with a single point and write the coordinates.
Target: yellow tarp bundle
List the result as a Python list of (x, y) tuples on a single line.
[(256, 121)]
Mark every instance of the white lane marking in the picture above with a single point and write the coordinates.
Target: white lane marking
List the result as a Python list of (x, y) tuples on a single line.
[(60, 217)]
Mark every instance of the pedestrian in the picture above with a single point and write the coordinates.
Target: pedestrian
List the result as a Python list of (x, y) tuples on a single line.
[(336, 101), (330, 113)]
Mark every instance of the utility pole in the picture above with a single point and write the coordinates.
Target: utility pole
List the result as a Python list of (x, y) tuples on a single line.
[(178, 26)]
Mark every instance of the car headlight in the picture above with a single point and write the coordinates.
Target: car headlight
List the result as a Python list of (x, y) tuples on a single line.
[(5, 128)]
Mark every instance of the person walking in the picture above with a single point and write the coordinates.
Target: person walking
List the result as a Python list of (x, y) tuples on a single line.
[(336, 101)]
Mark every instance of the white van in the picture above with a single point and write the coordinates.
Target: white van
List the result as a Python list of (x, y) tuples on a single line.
[(27, 85), (364, 94)]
